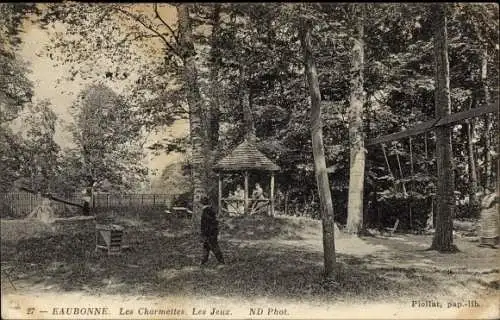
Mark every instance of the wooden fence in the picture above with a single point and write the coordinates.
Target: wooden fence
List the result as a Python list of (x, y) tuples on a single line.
[(21, 204), (105, 201)]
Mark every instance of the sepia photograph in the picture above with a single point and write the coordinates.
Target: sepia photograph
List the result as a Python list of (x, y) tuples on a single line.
[(272, 160)]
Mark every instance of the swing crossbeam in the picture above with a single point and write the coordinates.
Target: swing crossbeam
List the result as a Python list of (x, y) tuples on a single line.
[(425, 127), (431, 124)]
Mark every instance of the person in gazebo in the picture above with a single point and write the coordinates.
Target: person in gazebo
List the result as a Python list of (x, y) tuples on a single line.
[(489, 219), (257, 194), (239, 195), (231, 205)]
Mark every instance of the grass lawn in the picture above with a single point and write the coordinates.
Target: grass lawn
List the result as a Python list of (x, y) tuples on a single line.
[(276, 258)]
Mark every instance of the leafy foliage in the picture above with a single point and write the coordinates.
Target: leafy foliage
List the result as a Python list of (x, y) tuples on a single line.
[(249, 66), (15, 89), (106, 137), (41, 165)]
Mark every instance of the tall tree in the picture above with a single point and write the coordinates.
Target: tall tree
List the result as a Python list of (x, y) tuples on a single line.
[(327, 215), (488, 149), (41, 165), (471, 158), (356, 139), (443, 237), (106, 135), (200, 149), (214, 74)]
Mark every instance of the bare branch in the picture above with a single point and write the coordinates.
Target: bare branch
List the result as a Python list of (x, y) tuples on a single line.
[(165, 23), (145, 36), (137, 37), (138, 19)]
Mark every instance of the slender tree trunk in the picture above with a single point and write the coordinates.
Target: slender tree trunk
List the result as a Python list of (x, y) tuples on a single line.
[(387, 161), (401, 175), (215, 57), (488, 181), (356, 140), (443, 237), (214, 112), (412, 183), (469, 126), (327, 215), (198, 133), (246, 105)]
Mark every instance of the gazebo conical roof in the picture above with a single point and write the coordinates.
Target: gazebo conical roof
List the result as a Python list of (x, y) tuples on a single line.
[(246, 156)]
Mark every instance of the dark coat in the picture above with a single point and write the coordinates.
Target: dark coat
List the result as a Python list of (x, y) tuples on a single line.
[(86, 208), (209, 223)]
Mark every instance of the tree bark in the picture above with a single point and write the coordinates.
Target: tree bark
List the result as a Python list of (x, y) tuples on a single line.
[(443, 237), (356, 140), (327, 215), (246, 105), (215, 58), (247, 114), (488, 178), (469, 126), (213, 115), (198, 133)]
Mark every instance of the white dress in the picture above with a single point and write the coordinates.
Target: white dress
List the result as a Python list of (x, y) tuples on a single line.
[(489, 218)]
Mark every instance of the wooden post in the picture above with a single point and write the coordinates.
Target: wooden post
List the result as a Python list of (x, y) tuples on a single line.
[(31, 206), (246, 192), (286, 203), (272, 194), (219, 207), (412, 182)]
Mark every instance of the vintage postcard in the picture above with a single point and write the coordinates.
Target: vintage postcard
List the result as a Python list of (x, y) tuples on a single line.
[(249, 161)]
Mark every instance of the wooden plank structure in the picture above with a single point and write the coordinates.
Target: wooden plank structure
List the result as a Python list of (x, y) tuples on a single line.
[(109, 238), (52, 197), (246, 158), (432, 124)]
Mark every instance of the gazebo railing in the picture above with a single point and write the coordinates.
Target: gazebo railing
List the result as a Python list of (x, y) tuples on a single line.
[(237, 206)]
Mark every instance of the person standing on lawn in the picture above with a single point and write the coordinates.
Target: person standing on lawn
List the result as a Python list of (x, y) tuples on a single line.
[(210, 232), (489, 219)]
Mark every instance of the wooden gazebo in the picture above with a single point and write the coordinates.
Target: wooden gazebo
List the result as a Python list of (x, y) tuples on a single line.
[(246, 158)]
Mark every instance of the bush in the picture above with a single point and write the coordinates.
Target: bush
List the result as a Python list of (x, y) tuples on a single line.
[(6, 211)]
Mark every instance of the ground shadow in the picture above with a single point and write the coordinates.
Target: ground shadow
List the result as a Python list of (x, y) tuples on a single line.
[(169, 265), (412, 250)]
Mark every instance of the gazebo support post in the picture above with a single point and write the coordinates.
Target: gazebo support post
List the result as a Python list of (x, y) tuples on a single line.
[(272, 194), (246, 191), (219, 205)]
